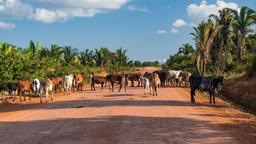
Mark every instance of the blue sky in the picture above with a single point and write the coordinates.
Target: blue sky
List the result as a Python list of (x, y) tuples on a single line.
[(148, 29)]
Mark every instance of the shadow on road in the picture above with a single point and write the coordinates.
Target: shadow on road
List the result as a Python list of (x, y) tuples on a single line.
[(104, 103), (123, 129)]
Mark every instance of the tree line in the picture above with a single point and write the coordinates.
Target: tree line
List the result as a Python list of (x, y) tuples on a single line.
[(36, 61)]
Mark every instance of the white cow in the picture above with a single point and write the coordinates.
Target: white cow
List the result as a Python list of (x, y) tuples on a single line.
[(36, 87), (45, 88), (145, 82), (68, 83), (173, 77)]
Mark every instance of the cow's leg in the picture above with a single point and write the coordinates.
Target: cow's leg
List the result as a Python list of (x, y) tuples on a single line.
[(213, 96), (156, 90), (112, 84), (40, 96), (46, 95), (192, 93), (120, 87), (132, 83), (210, 97), (24, 96), (102, 86), (91, 86), (20, 96)]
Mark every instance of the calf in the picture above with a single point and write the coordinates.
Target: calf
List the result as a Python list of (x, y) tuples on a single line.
[(97, 80), (67, 84), (118, 79), (210, 84), (46, 86)]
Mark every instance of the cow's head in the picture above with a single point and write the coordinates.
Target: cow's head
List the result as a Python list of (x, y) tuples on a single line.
[(219, 82)]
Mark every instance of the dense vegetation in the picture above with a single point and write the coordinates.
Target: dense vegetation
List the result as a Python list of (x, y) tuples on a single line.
[(225, 44)]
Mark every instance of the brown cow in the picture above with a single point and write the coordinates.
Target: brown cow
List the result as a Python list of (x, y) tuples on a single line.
[(57, 82), (23, 87), (118, 79), (97, 80), (154, 81), (78, 82), (135, 77)]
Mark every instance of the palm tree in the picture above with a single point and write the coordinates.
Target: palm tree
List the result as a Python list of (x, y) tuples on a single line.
[(102, 56), (56, 51), (44, 52), (242, 22), (86, 57), (186, 50), (204, 36), (33, 48), (121, 55), (223, 41), (69, 54)]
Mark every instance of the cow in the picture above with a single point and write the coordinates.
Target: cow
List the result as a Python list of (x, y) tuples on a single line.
[(46, 86), (135, 77), (202, 83), (146, 86), (78, 82), (97, 80), (23, 87), (184, 75), (173, 77), (154, 81), (67, 84), (120, 79), (57, 83), (36, 87), (11, 87), (163, 77)]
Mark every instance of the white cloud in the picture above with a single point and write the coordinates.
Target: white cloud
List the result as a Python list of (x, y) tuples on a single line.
[(161, 32), (138, 8), (179, 23), (50, 11), (7, 26), (202, 11), (174, 30), (14, 9)]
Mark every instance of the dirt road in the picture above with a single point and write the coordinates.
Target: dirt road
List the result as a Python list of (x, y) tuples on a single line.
[(104, 117)]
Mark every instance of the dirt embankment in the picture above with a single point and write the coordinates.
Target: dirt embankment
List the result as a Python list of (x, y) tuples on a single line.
[(242, 90)]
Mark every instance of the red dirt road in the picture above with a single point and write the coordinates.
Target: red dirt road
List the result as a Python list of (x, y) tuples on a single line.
[(104, 117)]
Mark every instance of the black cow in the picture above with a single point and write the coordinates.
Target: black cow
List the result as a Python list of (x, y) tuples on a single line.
[(163, 77), (210, 84), (118, 79), (97, 80)]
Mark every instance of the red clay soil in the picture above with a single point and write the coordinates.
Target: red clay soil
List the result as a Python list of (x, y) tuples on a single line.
[(113, 118)]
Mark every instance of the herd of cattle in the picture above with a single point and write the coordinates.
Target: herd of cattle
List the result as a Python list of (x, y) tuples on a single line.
[(149, 81)]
